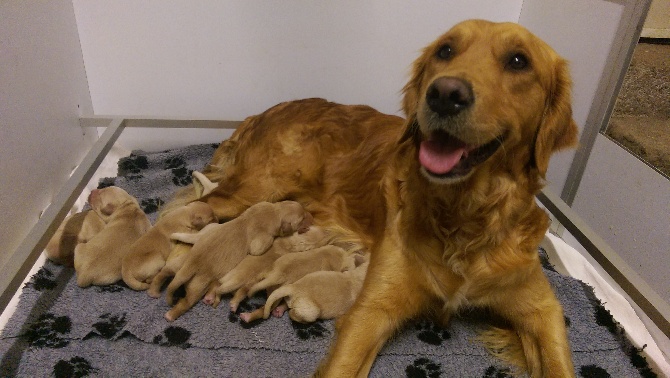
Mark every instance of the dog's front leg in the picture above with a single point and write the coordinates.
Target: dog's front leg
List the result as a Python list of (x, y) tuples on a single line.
[(390, 296)]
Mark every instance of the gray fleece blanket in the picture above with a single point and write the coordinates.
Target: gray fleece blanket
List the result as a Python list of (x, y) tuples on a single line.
[(62, 330)]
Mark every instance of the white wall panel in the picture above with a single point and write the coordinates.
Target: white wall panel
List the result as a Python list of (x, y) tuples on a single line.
[(229, 59)]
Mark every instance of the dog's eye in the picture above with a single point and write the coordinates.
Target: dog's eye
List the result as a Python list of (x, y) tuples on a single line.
[(445, 52), (517, 62)]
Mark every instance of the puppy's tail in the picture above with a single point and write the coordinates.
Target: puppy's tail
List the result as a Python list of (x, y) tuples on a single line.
[(262, 285), (275, 297), (131, 280)]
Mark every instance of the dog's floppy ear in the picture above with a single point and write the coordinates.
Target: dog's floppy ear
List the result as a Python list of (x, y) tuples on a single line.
[(557, 129), (410, 100)]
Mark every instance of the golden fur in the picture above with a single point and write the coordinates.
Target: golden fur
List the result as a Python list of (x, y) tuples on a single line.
[(148, 254), (98, 262), (441, 236), (75, 229), (218, 248)]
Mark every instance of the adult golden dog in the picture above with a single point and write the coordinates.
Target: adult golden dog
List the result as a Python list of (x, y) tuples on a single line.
[(444, 200)]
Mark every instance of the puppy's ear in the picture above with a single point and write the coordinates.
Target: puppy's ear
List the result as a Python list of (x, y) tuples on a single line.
[(557, 129), (108, 209)]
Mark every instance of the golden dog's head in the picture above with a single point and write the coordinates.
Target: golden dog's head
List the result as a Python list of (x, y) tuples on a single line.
[(487, 93)]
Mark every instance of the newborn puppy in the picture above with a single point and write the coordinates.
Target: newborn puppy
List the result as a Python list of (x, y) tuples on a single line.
[(148, 254), (75, 229), (240, 277), (291, 267), (98, 262), (174, 261), (218, 248), (318, 295)]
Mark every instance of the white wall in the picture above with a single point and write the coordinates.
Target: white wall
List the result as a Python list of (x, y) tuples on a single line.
[(212, 59), (42, 90)]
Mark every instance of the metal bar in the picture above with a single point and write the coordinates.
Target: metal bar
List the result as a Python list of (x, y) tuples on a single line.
[(657, 309), (100, 121), (21, 261)]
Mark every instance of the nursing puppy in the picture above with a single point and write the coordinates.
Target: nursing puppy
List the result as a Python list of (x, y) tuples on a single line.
[(444, 200), (291, 267), (148, 254), (98, 262), (174, 261), (75, 229), (243, 275), (317, 295), (218, 248)]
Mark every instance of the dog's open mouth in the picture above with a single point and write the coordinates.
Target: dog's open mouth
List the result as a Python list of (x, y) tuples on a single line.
[(445, 156)]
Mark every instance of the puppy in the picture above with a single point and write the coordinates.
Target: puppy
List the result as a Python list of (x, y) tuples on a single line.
[(75, 229), (291, 267), (98, 262), (148, 254), (218, 248), (317, 295), (240, 278), (174, 261)]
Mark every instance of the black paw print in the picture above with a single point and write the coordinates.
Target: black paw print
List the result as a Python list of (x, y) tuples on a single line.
[(108, 326), (429, 333), (76, 367), (132, 164), (245, 306), (495, 372), (593, 371), (423, 368), (42, 280), (181, 176), (116, 287), (48, 330), (151, 205), (175, 162), (604, 318), (174, 336), (310, 330), (106, 182)]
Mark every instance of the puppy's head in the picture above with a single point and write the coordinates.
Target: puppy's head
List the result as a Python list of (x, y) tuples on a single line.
[(200, 214), (107, 200), (487, 94), (293, 218)]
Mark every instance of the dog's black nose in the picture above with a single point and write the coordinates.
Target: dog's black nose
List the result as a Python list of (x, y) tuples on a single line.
[(448, 96)]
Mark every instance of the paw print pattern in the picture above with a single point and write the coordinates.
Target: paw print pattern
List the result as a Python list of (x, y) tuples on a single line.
[(151, 205), (175, 162), (181, 176), (133, 164), (174, 336), (593, 371), (48, 331), (116, 287), (429, 333), (76, 367), (108, 326), (106, 182), (310, 330), (495, 372), (423, 368), (42, 280)]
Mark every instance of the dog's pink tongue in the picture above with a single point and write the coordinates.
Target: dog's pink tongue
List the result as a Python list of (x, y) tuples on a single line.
[(440, 158)]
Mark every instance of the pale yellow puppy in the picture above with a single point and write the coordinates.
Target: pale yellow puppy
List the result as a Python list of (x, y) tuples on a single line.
[(98, 262), (75, 229), (149, 253), (218, 248)]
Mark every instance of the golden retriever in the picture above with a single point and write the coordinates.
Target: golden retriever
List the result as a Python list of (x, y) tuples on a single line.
[(444, 201), (76, 229)]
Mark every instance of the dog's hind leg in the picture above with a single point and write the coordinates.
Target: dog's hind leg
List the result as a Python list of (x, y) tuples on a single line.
[(195, 289)]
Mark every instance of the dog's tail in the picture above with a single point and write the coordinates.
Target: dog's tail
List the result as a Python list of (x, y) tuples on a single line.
[(275, 298), (131, 280), (267, 282)]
